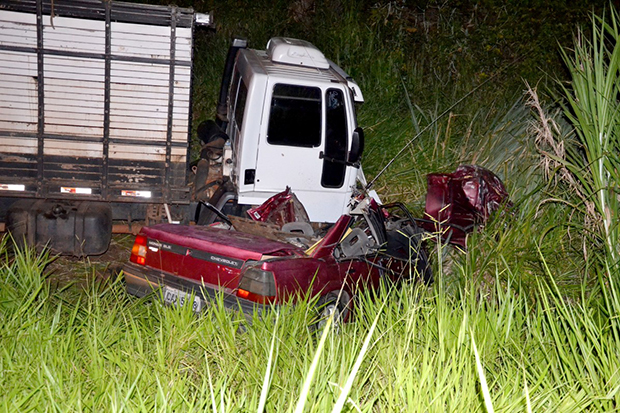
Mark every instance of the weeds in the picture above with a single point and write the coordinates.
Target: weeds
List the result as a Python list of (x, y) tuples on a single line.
[(411, 349), (525, 320), (593, 109)]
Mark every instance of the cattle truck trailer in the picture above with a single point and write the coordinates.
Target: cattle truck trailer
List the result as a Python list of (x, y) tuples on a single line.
[(95, 100)]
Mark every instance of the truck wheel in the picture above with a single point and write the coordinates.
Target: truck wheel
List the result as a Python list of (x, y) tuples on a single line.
[(333, 303), (210, 133)]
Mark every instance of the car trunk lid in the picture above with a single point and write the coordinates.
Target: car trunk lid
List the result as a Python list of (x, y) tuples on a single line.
[(205, 254)]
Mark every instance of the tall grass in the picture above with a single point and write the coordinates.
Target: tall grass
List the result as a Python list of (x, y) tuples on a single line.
[(407, 349), (584, 161), (513, 324), (594, 110)]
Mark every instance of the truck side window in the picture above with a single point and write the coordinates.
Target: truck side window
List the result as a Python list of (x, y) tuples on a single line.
[(240, 108), (295, 116), (335, 140)]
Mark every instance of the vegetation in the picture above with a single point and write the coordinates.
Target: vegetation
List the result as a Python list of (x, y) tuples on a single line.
[(414, 60), (407, 350), (524, 320)]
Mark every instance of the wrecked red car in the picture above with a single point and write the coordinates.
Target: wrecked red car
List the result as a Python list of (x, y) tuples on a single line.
[(256, 263), (277, 256)]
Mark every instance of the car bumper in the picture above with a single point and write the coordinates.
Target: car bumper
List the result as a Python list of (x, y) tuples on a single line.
[(141, 281)]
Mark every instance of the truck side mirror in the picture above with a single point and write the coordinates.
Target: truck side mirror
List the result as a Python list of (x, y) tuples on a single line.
[(357, 146)]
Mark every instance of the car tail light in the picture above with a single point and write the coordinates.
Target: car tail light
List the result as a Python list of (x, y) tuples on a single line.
[(257, 285), (138, 251)]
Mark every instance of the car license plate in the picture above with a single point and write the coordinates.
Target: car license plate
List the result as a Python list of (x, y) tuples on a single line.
[(174, 296)]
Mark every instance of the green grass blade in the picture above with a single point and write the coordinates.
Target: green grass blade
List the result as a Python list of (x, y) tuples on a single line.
[(303, 396), (268, 370), (488, 402)]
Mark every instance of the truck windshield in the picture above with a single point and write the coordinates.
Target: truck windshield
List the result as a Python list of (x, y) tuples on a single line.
[(295, 116)]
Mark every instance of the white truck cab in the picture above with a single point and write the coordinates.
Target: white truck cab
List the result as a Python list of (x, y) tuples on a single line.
[(290, 119)]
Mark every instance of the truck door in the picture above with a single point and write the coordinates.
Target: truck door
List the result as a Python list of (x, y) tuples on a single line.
[(335, 152), (291, 148)]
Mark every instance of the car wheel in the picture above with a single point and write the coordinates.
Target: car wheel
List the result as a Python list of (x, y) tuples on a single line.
[(332, 304)]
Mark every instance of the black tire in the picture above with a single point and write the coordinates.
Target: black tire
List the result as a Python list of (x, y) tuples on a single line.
[(209, 132), (335, 303)]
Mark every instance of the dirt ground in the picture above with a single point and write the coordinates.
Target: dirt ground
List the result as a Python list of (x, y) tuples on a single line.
[(65, 270)]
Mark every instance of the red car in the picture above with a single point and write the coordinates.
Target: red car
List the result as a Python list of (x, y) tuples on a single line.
[(255, 272)]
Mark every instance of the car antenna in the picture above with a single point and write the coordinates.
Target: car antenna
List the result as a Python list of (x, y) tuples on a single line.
[(444, 113)]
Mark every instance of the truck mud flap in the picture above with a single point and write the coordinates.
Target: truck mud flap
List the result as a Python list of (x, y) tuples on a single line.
[(71, 228)]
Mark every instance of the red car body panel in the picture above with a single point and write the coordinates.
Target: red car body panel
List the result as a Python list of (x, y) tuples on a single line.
[(194, 258), (210, 255), (457, 202), (228, 243)]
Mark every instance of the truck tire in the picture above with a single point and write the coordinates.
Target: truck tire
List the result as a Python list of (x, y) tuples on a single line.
[(210, 133)]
